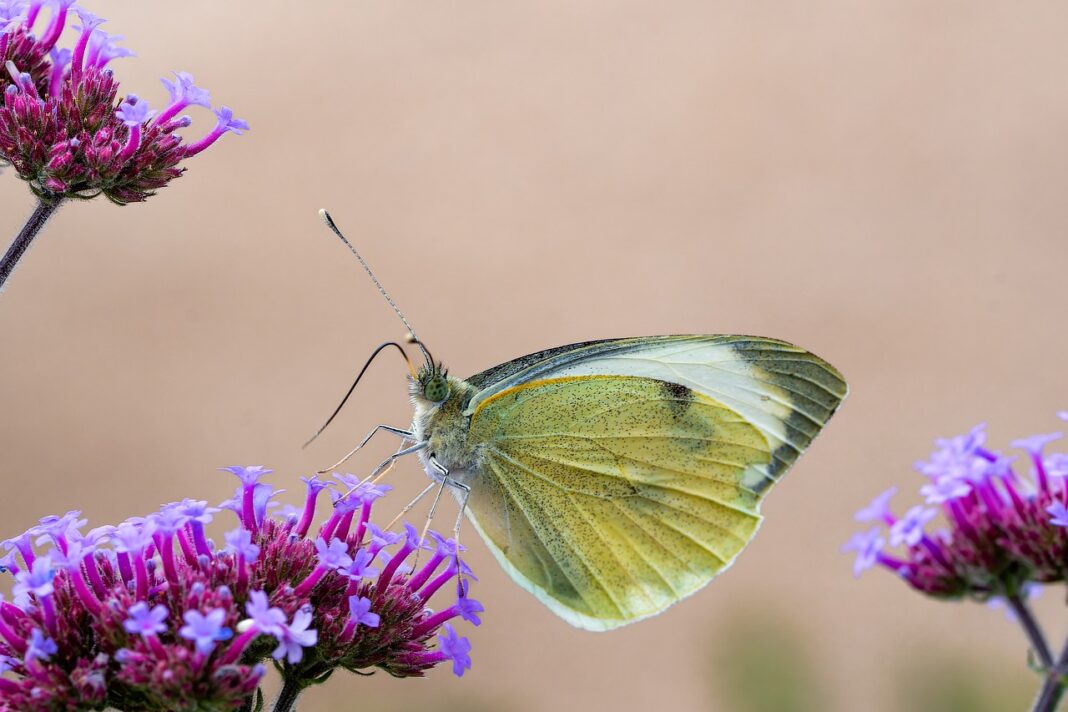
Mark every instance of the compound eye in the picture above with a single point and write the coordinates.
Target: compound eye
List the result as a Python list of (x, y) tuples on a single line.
[(436, 389)]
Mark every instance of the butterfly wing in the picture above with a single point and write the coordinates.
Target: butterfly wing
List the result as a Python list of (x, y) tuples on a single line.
[(619, 477)]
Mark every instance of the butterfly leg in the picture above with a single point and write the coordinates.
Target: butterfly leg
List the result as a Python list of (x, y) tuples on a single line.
[(384, 466), (404, 434), (466, 490), (443, 471), (408, 507), (464, 496)]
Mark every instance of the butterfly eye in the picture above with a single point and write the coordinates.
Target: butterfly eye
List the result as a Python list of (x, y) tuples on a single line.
[(436, 389)]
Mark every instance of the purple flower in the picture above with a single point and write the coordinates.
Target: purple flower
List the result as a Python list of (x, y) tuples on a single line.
[(12, 13), (132, 538), (1057, 465), (909, 529), (359, 567), (170, 519), (867, 546), (456, 649), (1036, 443), (184, 92), (205, 630), (40, 647), (38, 580), (368, 492), (1059, 514), (314, 483), (239, 541), (469, 608), (267, 619), (248, 475), (944, 489), (1005, 529), (62, 127), (360, 612), (333, 555), (953, 456), (111, 596), (381, 538), (879, 508), (143, 621), (295, 637), (197, 511)]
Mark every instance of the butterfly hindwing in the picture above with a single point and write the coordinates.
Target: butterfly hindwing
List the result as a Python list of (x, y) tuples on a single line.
[(621, 476)]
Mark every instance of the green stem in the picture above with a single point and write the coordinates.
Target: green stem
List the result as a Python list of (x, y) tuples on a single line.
[(1034, 633), (287, 698), (40, 215), (1053, 688)]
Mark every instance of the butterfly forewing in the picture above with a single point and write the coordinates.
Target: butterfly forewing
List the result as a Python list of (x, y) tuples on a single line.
[(620, 476)]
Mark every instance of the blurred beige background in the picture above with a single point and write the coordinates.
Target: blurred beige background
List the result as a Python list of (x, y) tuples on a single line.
[(882, 182)]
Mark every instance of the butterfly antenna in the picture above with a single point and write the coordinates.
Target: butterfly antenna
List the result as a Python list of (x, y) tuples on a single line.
[(380, 349), (330, 224), (412, 339)]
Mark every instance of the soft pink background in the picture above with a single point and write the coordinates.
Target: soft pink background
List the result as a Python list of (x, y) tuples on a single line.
[(882, 182)]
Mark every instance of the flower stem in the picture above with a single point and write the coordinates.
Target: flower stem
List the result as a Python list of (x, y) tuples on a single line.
[(287, 698), (43, 211), (1053, 688), (1030, 626)]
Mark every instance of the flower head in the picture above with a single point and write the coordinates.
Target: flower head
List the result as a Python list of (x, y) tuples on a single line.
[(1006, 529), (64, 127), (190, 625)]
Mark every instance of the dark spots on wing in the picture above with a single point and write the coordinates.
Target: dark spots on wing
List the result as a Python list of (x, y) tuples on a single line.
[(677, 397)]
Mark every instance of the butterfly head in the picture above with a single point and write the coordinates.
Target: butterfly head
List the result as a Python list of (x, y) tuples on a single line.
[(432, 383)]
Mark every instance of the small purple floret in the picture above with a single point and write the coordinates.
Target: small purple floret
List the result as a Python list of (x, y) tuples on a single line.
[(40, 646), (144, 621), (205, 630), (867, 546), (456, 649), (360, 612)]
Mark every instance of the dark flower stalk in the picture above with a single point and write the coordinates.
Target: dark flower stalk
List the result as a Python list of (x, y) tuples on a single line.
[(1007, 535), (65, 129), (151, 615)]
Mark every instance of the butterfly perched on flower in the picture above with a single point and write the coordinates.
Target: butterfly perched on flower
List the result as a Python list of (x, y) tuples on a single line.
[(614, 478)]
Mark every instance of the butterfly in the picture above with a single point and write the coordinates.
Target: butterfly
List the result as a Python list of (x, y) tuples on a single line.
[(613, 478)]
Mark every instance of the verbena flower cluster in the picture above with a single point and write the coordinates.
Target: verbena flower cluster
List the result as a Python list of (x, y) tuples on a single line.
[(1007, 521), (63, 125), (152, 614)]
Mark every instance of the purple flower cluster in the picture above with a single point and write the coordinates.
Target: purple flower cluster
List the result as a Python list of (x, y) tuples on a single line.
[(62, 124), (1007, 523), (151, 614)]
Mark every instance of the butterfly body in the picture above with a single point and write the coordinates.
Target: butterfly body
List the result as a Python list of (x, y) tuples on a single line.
[(444, 427), (614, 478)]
